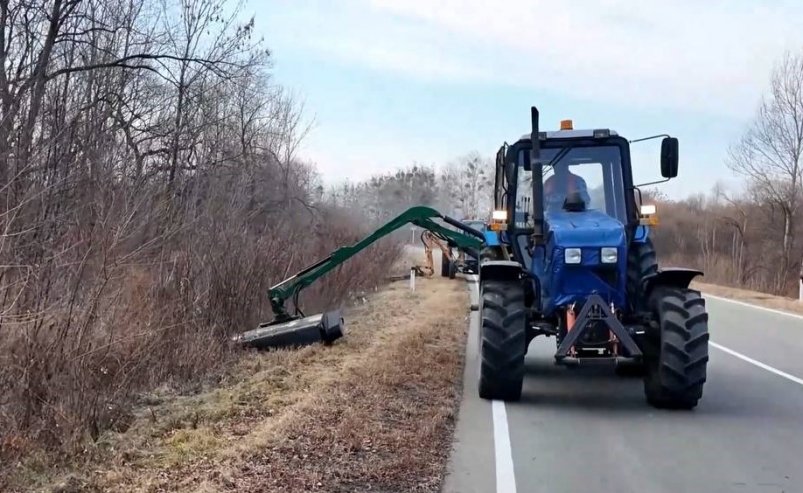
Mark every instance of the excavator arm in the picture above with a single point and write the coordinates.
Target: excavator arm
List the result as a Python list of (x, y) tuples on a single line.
[(423, 217), (431, 242)]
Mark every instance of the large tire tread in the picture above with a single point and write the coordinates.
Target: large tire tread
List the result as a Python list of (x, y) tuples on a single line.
[(677, 359), (642, 261), (502, 340)]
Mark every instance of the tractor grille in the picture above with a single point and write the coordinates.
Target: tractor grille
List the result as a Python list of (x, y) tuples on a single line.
[(608, 275)]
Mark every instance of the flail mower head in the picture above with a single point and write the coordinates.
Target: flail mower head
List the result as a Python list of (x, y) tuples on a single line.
[(324, 327)]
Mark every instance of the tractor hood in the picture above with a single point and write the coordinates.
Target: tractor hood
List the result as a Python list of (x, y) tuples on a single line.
[(589, 231), (591, 228)]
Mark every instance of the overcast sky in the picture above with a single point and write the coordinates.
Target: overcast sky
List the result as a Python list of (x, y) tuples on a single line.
[(393, 82)]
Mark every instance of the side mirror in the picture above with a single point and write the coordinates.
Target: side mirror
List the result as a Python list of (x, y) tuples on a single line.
[(669, 157)]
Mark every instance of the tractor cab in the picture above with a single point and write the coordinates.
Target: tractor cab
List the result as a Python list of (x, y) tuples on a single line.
[(582, 209), (580, 171)]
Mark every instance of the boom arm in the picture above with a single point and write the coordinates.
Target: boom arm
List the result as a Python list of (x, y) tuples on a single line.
[(420, 216)]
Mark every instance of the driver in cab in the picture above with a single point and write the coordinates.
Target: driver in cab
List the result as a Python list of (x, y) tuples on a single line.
[(562, 183)]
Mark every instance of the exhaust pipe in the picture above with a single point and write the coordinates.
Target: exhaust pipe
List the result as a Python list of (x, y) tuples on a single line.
[(538, 180)]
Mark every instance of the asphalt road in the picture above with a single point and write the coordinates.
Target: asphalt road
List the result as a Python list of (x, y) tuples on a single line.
[(586, 429)]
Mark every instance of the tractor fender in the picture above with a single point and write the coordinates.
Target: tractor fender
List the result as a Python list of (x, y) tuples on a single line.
[(500, 270), (674, 277)]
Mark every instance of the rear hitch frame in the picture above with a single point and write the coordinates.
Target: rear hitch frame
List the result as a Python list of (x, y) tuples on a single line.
[(596, 310)]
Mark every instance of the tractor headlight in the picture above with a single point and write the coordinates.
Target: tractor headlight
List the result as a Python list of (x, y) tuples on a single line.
[(647, 209), (572, 255), (609, 255)]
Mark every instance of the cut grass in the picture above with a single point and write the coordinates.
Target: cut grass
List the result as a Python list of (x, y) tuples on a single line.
[(373, 412)]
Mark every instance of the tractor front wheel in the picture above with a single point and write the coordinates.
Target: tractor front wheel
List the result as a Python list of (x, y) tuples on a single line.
[(503, 340), (676, 355)]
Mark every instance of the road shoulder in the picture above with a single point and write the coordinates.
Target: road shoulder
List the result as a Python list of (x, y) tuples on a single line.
[(753, 298), (473, 446)]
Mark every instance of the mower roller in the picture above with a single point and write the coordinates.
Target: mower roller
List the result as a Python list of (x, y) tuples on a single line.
[(296, 329)]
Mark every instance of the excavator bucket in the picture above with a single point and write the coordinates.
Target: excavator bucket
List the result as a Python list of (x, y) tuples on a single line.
[(324, 327)]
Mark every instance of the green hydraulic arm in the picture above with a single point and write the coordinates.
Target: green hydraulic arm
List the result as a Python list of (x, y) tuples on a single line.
[(423, 217)]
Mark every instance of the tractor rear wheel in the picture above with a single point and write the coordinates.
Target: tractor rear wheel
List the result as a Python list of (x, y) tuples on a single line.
[(503, 340), (641, 262), (676, 356)]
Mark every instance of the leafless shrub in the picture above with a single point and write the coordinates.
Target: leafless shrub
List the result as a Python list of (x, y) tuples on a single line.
[(149, 197)]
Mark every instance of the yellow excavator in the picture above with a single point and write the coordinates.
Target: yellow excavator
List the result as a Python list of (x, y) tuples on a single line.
[(448, 264), (451, 264)]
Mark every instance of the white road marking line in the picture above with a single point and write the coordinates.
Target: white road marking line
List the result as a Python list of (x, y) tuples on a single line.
[(505, 478), (758, 363), (750, 305)]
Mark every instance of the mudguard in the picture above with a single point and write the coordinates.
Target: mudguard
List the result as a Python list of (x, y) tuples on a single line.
[(500, 270), (675, 277)]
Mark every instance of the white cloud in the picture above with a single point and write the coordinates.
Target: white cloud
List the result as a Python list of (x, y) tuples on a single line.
[(356, 160), (711, 57), (708, 56), (379, 55)]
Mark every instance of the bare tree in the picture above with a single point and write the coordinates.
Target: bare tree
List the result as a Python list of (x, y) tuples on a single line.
[(735, 215), (769, 154), (467, 185), (109, 284)]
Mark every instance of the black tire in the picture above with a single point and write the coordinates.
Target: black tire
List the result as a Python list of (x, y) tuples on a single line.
[(452, 270), (503, 340), (676, 355), (641, 262), (446, 264)]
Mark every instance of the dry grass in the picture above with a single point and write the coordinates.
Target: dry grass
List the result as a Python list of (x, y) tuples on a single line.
[(754, 297), (373, 412)]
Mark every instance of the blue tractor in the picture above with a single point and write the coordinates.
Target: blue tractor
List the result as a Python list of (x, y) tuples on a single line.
[(568, 254)]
